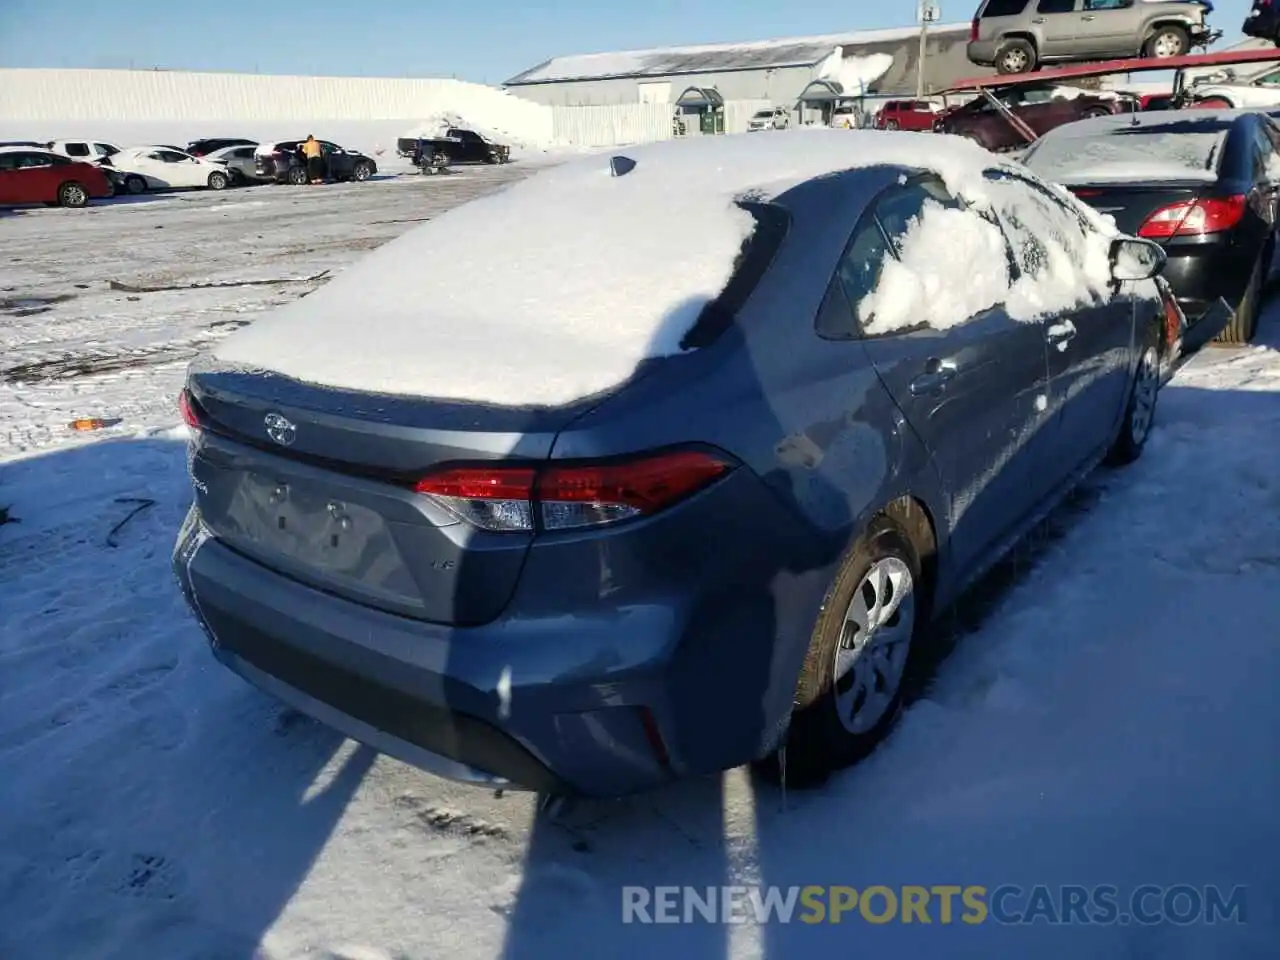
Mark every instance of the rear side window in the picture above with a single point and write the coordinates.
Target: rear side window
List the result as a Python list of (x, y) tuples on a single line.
[(8, 161), (76, 149), (1056, 6), (1003, 8)]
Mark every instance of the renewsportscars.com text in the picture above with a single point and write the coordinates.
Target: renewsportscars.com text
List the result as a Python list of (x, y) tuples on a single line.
[(1180, 904)]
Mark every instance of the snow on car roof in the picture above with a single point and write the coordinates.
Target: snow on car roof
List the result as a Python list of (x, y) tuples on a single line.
[(1162, 145), (560, 286)]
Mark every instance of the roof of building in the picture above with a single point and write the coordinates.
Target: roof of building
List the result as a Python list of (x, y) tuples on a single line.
[(714, 57)]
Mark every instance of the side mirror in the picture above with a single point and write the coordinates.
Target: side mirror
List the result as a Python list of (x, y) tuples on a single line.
[(1134, 259)]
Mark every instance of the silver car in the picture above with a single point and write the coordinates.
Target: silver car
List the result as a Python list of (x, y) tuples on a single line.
[(240, 163), (779, 118), (1016, 36)]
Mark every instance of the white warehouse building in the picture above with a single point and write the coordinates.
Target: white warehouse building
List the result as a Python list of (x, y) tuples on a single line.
[(782, 73)]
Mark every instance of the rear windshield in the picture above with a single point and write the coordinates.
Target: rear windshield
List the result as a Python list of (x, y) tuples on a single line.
[(1179, 150)]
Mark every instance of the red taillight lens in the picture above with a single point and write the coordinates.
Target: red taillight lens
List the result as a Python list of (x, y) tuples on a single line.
[(190, 412), (1193, 218), (973, 31), (1087, 193), (572, 495)]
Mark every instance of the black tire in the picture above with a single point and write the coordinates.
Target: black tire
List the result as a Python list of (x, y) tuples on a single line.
[(818, 742), (892, 125), (1140, 409), (218, 180), (1015, 56), (135, 185), (296, 176), (1093, 112), (72, 194), (1244, 323), (1173, 40), (362, 172)]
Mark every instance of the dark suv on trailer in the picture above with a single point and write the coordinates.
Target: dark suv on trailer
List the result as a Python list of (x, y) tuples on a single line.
[(1016, 36), (282, 162)]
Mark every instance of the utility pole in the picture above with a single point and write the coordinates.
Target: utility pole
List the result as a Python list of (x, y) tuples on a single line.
[(927, 12)]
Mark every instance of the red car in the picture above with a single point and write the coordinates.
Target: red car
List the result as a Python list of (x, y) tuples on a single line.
[(908, 115), (30, 175), (1040, 109)]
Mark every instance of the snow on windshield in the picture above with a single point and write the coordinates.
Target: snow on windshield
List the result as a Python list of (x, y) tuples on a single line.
[(954, 263), (1126, 153), (559, 287)]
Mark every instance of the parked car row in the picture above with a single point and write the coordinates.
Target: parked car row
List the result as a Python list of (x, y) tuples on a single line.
[(72, 172)]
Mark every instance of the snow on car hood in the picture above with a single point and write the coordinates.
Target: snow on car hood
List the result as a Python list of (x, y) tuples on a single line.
[(560, 286)]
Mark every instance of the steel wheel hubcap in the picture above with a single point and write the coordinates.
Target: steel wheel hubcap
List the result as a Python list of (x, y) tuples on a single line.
[(1015, 59), (875, 641), (1168, 46), (1145, 389)]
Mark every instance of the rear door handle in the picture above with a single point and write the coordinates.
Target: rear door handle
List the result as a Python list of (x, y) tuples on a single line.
[(1089, 17), (1038, 20), (937, 374)]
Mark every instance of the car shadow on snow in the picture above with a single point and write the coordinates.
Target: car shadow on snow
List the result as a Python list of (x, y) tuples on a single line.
[(155, 805)]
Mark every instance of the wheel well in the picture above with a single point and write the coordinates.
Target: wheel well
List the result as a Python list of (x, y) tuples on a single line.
[(914, 518), (1004, 38), (1161, 24)]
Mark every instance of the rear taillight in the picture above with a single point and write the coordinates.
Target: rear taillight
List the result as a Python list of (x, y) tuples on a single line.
[(973, 31), (1087, 193), (190, 410), (569, 496), (1193, 218)]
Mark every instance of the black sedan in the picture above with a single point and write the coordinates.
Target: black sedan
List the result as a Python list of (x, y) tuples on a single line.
[(1203, 184)]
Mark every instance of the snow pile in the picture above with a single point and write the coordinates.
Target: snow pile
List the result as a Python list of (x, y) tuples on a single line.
[(953, 263), (560, 287), (854, 74)]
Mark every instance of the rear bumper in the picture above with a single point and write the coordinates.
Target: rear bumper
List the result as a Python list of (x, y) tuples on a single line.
[(1201, 273), (982, 52), (583, 704)]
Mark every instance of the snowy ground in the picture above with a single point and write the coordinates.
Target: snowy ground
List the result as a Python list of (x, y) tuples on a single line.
[(1108, 716)]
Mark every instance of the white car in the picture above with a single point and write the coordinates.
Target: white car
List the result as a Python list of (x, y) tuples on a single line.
[(1234, 95), (90, 151), (162, 168), (779, 118)]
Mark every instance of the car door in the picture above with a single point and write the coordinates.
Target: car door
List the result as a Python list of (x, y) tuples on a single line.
[(337, 160), (10, 179), (1056, 23), (40, 178), (1091, 343), (1107, 28), (973, 391)]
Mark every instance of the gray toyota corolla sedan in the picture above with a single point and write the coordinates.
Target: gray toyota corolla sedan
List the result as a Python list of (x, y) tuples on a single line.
[(727, 554)]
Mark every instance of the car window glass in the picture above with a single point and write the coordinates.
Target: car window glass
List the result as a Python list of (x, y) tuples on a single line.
[(901, 207), (862, 263), (1056, 6), (8, 161), (1031, 214), (1263, 151), (835, 316), (1004, 8), (105, 149), (76, 149), (1107, 4), (28, 161)]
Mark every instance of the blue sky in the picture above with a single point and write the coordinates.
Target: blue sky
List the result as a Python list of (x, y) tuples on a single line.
[(487, 41)]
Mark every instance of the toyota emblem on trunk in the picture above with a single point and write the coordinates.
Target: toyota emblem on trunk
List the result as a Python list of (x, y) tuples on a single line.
[(279, 429)]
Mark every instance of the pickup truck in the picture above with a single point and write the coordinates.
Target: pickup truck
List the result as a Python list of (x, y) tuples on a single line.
[(455, 145)]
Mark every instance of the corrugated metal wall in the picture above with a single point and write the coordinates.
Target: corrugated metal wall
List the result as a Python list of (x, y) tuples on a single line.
[(611, 126), (146, 96)]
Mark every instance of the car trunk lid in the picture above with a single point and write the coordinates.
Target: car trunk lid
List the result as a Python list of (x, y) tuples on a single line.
[(1130, 204), (318, 484)]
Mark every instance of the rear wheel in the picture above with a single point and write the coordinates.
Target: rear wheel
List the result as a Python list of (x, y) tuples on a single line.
[(1167, 42), (362, 172), (1140, 412), (850, 688), (1245, 321), (296, 176), (72, 194), (1015, 56), (218, 180), (892, 125), (1096, 112), (135, 185)]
